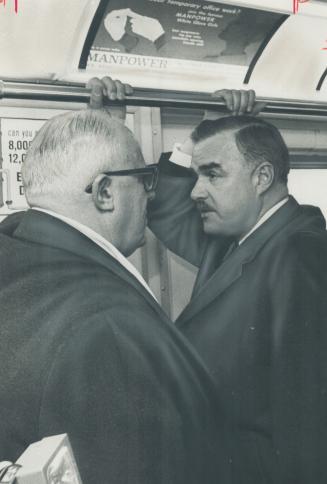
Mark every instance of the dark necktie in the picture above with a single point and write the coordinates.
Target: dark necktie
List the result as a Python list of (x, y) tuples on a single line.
[(230, 249), (212, 260)]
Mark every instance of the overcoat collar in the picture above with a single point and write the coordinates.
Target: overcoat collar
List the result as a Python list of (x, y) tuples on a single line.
[(42, 228), (288, 216)]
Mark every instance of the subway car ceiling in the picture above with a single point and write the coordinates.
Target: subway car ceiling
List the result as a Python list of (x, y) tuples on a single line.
[(277, 47)]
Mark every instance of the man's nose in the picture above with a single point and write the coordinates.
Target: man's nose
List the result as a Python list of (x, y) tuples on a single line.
[(199, 192)]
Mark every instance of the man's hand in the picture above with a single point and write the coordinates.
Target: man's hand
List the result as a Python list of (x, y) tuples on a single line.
[(240, 101), (237, 101), (107, 88)]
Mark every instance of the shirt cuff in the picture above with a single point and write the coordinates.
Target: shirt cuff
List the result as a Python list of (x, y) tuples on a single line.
[(180, 158)]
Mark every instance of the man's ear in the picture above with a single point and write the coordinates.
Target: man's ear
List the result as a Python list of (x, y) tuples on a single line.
[(264, 176), (102, 193)]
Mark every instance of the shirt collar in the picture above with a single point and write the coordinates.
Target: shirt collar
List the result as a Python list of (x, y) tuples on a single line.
[(101, 242), (265, 217)]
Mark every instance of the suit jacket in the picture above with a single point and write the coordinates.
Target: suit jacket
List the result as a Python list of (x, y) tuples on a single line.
[(260, 324), (86, 350)]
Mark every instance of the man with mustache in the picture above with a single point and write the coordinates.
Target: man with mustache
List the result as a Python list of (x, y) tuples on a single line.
[(258, 312)]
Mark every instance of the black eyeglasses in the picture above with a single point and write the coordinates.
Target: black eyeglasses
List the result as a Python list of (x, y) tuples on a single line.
[(149, 174)]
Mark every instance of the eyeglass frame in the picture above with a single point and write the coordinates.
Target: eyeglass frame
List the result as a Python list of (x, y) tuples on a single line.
[(146, 170)]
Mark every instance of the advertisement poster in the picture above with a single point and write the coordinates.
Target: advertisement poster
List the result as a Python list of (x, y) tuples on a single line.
[(167, 35)]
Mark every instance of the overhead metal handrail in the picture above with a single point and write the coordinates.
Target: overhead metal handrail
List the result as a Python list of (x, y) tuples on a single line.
[(76, 92)]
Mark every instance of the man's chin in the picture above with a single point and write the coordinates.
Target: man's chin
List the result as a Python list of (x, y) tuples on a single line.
[(137, 245), (211, 228), (208, 227), (142, 242)]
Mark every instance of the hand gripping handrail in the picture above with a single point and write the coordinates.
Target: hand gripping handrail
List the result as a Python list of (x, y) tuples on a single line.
[(76, 92)]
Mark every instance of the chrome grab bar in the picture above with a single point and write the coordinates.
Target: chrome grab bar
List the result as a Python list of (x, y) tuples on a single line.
[(76, 92)]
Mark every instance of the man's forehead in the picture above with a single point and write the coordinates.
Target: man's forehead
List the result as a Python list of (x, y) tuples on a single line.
[(134, 156), (215, 147), (138, 162), (217, 140), (128, 154)]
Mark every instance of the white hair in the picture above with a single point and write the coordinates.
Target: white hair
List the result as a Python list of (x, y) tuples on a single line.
[(71, 149)]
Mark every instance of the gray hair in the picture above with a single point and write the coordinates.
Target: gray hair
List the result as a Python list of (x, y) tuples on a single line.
[(71, 149)]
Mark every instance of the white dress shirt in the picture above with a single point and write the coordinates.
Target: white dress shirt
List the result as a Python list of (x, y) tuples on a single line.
[(101, 242), (264, 217)]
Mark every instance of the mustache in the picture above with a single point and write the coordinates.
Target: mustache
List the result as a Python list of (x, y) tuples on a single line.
[(203, 207)]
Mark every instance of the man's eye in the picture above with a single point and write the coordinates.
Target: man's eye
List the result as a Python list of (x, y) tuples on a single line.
[(212, 175)]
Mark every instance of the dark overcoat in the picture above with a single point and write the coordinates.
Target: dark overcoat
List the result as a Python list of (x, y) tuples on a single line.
[(86, 350), (260, 324)]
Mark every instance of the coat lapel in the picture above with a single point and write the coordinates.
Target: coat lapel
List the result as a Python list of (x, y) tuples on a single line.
[(42, 228), (227, 273), (231, 269)]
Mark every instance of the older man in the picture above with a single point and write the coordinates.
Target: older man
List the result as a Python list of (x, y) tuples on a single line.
[(258, 312), (85, 347)]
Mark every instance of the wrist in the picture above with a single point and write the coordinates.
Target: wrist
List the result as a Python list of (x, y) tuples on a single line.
[(180, 157), (186, 147)]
